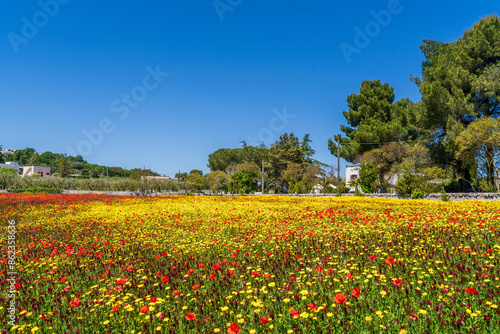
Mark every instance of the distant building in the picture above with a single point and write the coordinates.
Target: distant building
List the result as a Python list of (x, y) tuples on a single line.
[(35, 170), (351, 173), (317, 189), (161, 177), (11, 164), (9, 151)]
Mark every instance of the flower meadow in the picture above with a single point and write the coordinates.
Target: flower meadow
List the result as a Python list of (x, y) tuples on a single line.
[(103, 264)]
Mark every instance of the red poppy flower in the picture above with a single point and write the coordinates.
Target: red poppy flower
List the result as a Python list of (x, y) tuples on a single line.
[(292, 278), (339, 298), (211, 276), (216, 266), (75, 302), (66, 288), (470, 290), (356, 292), (121, 281), (115, 308), (489, 250), (234, 264), (17, 286), (165, 279), (201, 265), (397, 282), (255, 273), (372, 257), (144, 309), (312, 307), (62, 279), (319, 268), (130, 268), (267, 276), (233, 328), (414, 317), (195, 287), (264, 320), (230, 272), (207, 319), (444, 290), (389, 261), (294, 313), (153, 300), (177, 292), (190, 316)]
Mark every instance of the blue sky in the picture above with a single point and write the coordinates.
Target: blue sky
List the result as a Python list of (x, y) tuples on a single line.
[(237, 70)]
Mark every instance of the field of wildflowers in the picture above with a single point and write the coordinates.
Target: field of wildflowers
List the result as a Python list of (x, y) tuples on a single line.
[(102, 264)]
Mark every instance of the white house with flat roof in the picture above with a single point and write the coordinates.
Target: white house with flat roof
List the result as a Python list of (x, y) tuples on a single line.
[(11, 164), (351, 173), (35, 170)]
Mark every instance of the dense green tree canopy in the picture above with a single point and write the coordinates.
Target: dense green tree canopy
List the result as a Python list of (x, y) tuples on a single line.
[(372, 117)]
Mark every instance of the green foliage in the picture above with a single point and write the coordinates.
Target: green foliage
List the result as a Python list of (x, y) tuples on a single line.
[(64, 169), (194, 181), (368, 178), (225, 158), (444, 196), (246, 181), (39, 190), (8, 171), (305, 146), (460, 83), (417, 193), (372, 117), (218, 181)]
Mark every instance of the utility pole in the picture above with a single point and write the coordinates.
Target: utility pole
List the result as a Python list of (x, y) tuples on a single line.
[(107, 174), (338, 167), (262, 177), (234, 167)]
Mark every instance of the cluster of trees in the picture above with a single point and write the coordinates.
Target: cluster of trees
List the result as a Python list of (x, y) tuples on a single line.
[(65, 166), (287, 166), (447, 139)]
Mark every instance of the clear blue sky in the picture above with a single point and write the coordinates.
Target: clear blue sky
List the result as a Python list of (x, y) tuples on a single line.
[(229, 68)]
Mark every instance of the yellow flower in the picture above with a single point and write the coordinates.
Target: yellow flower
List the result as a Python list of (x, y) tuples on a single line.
[(216, 330), (368, 318), (329, 314), (424, 312), (383, 293)]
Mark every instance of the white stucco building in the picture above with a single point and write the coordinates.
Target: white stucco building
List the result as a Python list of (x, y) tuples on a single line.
[(351, 173), (10, 164), (35, 170)]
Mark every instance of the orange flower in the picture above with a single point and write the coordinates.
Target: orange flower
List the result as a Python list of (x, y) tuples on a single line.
[(211, 276), (389, 261), (233, 328), (165, 279), (144, 309), (62, 279), (177, 292), (190, 316), (356, 292), (195, 287), (339, 298), (115, 308), (216, 266)]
